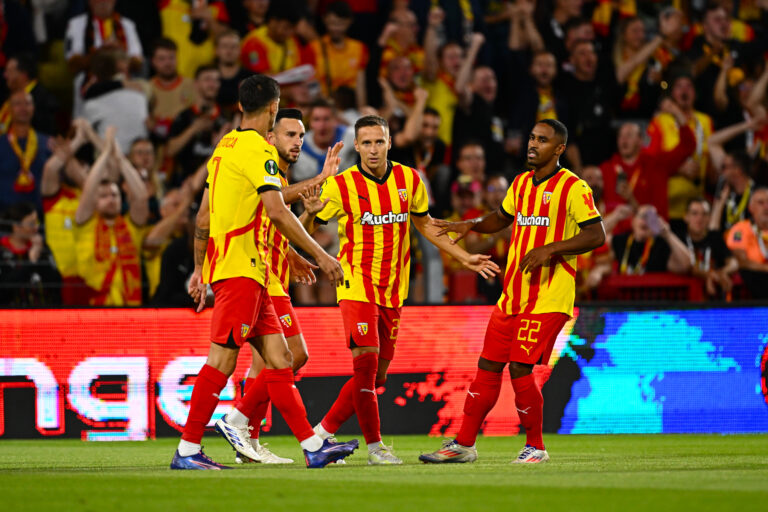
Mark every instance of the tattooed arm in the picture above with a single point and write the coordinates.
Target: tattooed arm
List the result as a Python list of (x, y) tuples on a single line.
[(198, 289)]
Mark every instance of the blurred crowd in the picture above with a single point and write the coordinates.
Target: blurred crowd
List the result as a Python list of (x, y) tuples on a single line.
[(110, 110)]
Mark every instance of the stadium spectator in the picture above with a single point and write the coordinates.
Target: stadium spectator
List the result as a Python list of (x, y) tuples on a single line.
[(170, 93), (62, 181), (143, 159), (731, 203), (21, 75), (230, 70), (23, 153), (665, 135), (651, 246), (193, 26), (552, 30), (470, 162), (634, 176), (108, 243), (399, 81), (324, 131), (101, 27), (711, 261), (107, 102), (196, 130), (18, 36), (748, 240), (255, 16), (274, 47), (339, 60), (398, 39), (28, 275), (176, 268)]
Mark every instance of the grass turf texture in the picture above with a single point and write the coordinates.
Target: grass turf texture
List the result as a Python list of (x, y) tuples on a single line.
[(626, 473)]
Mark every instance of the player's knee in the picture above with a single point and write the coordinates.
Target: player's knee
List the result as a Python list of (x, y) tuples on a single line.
[(517, 370)]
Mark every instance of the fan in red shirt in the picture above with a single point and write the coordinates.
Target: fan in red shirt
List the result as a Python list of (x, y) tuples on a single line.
[(635, 176)]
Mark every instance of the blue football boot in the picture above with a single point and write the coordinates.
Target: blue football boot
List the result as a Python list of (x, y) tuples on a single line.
[(330, 452), (196, 461)]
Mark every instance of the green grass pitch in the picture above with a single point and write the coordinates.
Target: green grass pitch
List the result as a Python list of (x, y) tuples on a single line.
[(591, 473)]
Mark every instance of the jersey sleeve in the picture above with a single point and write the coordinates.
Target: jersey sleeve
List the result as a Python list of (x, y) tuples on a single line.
[(420, 203), (262, 170), (331, 192), (581, 205), (508, 204)]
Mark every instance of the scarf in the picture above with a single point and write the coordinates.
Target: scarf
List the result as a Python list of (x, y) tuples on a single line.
[(107, 28), (124, 254), (25, 181)]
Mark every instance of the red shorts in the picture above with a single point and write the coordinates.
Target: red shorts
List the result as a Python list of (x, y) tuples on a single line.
[(369, 325), (523, 338), (242, 310), (287, 316)]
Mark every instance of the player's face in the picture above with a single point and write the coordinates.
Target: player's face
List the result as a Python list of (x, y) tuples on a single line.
[(288, 137), (697, 217), (543, 146), (108, 201), (373, 143), (758, 207), (228, 49)]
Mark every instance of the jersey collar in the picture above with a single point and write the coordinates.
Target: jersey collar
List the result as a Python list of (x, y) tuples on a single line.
[(373, 178), (536, 182)]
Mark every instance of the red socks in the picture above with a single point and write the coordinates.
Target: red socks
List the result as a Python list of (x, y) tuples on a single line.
[(286, 398), (342, 409), (481, 397), (205, 397), (530, 408), (364, 396), (254, 402)]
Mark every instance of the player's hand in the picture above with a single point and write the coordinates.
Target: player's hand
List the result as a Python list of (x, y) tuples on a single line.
[(332, 268), (482, 264), (460, 228), (535, 258), (332, 161), (301, 269), (310, 198), (197, 289)]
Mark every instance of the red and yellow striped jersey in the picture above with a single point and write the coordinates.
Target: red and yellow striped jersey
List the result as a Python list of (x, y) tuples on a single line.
[(279, 274), (242, 166), (544, 212), (374, 230)]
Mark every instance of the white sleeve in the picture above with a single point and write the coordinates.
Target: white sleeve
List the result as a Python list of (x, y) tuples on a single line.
[(75, 37), (132, 39)]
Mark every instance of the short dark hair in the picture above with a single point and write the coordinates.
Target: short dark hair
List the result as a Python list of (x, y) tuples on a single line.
[(574, 22), (288, 113), (26, 63), (205, 68), (366, 121), (321, 103), (467, 143), (16, 212), (742, 161), (257, 92), (560, 129), (286, 10), (340, 9), (164, 43), (103, 64), (429, 111)]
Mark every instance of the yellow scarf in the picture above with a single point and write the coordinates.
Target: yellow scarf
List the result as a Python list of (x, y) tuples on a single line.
[(25, 181)]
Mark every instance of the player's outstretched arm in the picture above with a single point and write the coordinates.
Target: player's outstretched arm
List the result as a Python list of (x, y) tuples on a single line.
[(480, 263), (287, 223), (590, 237), (489, 223), (313, 205), (197, 289), (292, 193), (301, 269)]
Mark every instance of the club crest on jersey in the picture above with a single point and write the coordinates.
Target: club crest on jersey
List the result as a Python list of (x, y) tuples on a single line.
[(388, 218), (362, 328), (271, 167), (244, 328), (286, 319), (547, 197), (532, 220), (403, 194)]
